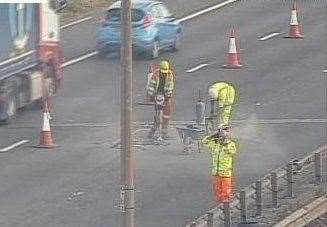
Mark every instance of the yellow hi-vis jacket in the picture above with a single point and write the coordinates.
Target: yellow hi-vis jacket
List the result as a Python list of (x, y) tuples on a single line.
[(226, 96), (222, 156), (153, 83), (226, 93)]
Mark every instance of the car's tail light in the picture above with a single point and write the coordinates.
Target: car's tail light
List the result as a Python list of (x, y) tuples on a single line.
[(148, 21)]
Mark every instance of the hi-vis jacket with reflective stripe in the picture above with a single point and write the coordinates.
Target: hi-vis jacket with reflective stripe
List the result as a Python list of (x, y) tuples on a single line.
[(153, 84), (222, 156)]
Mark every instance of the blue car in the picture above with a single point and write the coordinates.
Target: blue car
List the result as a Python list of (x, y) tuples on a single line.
[(154, 28)]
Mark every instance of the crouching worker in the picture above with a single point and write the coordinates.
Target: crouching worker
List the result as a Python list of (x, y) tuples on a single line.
[(223, 151)]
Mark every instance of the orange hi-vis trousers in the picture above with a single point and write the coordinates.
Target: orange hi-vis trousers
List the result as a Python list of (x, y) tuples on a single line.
[(223, 188)]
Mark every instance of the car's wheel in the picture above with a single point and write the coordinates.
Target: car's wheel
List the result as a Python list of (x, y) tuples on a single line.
[(11, 106), (154, 51), (102, 53), (37, 104), (177, 42)]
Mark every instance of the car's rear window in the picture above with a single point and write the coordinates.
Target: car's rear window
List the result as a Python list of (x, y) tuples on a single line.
[(114, 15)]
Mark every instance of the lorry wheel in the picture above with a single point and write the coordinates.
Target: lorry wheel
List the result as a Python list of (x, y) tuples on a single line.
[(177, 42), (37, 104), (12, 106), (11, 109)]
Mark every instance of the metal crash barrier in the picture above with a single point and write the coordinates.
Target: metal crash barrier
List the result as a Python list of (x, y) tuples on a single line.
[(277, 182)]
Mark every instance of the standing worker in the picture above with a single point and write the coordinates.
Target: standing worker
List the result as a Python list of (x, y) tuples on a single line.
[(224, 94), (223, 151), (162, 81)]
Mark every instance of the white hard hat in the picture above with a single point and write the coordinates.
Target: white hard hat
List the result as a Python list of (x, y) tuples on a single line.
[(213, 93)]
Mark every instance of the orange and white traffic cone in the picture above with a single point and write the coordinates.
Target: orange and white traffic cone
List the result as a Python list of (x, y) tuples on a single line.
[(46, 136), (295, 32), (233, 58)]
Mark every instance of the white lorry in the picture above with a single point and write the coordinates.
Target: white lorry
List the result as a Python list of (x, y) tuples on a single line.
[(30, 54)]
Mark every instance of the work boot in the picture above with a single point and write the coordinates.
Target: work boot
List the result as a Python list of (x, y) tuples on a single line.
[(164, 133), (165, 126)]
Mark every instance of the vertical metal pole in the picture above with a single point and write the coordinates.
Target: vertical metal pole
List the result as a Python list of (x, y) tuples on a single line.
[(210, 220), (243, 206), (227, 216), (274, 189), (212, 108), (318, 168), (258, 197), (200, 111), (289, 178), (127, 156)]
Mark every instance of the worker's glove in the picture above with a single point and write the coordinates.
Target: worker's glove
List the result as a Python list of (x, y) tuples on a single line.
[(215, 136)]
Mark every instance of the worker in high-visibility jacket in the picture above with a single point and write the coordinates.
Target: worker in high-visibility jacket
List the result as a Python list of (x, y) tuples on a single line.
[(223, 151), (162, 81), (224, 94)]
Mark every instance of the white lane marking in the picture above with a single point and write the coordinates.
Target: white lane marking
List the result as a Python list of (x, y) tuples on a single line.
[(18, 57), (75, 22), (83, 57), (14, 145), (196, 68), (148, 124), (260, 121), (117, 142), (191, 16), (284, 121), (270, 36), (83, 125)]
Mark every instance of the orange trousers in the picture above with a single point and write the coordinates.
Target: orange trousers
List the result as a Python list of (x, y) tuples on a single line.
[(223, 188)]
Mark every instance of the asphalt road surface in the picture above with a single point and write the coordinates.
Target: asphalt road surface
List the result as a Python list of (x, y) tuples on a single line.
[(282, 87)]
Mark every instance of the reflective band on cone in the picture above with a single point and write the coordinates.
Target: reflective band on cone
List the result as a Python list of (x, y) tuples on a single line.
[(294, 18), (46, 136), (295, 32), (232, 46), (46, 123)]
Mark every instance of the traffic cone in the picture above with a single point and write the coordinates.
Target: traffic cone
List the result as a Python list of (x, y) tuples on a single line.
[(295, 32), (46, 136), (233, 58)]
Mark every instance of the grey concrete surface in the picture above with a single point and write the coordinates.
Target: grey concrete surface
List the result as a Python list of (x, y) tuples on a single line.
[(77, 184)]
